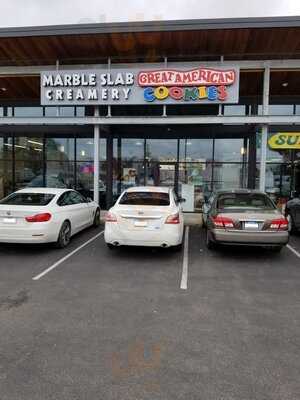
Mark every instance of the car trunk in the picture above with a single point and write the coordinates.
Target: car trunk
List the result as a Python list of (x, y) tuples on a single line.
[(142, 217), (11, 215), (250, 220)]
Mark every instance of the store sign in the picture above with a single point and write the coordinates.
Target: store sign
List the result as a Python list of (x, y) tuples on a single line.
[(285, 140), (135, 86)]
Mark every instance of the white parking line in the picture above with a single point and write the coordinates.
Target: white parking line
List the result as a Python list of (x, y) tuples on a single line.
[(293, 250), (39, 276), (184, 276)]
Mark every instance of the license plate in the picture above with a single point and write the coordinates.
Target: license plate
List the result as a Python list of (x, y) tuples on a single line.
[(9, 220), (251, 225), (141, 224)]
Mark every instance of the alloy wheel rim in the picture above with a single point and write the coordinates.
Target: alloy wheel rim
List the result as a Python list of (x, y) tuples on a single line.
[(289, 223), (66, 236)]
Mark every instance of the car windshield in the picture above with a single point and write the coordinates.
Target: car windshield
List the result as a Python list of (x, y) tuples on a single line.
[(28, 199), (244, 201), (145, 199)]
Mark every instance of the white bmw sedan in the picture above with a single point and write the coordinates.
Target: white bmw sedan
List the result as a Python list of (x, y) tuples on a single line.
[(145, 216), (44, 215)]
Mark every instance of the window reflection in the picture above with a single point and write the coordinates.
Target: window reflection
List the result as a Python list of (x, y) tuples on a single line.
[(161, 149), (60, 149), (200, 150), (229, 176), (132, 149), (229, 150)]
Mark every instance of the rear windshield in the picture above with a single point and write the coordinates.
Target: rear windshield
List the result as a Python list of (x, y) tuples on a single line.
[(244, 200), (28, 199), (145, 199)]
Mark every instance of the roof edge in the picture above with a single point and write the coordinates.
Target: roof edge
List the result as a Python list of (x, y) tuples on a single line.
[(152, 26)]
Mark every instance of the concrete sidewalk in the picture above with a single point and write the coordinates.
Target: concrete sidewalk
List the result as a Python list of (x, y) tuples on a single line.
[(190, 219)]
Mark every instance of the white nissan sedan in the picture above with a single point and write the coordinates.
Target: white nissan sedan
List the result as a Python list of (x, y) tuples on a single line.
[(44, 215), (145, 216)]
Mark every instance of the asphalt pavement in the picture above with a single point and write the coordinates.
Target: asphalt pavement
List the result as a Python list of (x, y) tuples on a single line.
[(116, 325)]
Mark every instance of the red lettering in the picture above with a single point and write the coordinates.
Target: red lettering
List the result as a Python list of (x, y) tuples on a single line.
[(178, 78), (222, 93)]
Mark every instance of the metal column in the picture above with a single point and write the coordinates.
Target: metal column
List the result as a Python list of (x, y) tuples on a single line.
[(264, 130), (109, 172), (96, 157), (252, 161)]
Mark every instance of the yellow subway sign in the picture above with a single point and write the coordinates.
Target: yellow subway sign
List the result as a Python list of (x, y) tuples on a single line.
[(285, 140)]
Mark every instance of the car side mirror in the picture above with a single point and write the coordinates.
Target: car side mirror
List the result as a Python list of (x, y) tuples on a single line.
[(181, 200), (88, 200)]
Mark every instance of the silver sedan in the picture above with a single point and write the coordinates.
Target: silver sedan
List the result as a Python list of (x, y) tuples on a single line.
[(244, 217)]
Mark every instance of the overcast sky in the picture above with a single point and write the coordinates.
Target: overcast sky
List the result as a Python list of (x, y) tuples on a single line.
[(55, 12)]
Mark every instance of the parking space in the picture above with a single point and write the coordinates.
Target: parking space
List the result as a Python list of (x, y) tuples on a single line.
[(119, 325)]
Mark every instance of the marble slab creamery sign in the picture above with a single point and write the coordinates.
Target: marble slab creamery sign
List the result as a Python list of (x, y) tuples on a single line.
[(162, 85)]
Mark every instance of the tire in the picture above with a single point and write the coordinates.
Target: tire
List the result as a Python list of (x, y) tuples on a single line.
[(291, 227), (64, 236), (110, 246), (96, 221), (209, 243)]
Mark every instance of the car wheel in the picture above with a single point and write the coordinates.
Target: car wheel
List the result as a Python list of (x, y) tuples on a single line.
[(209, 243), (110, 246), (64, 236), (96, 222), (291, 226)]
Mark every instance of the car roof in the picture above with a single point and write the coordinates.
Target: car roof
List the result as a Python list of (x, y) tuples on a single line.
[(238, 191), (157, 189), (55, 191)]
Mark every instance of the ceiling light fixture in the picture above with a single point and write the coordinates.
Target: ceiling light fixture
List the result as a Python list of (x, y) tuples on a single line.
[(285, 84)]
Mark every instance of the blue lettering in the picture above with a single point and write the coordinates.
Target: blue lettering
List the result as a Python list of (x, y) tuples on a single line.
[(148, 94), (212, 93)]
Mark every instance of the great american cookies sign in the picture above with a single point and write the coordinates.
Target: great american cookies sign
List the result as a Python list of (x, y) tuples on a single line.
[(136, 85)]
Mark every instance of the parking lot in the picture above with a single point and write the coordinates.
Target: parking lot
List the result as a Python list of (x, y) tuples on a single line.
[(89, 323)]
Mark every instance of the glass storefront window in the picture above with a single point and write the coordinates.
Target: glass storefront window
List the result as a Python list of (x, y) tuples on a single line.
[(51, 111), (200, 150), (281, 109), (67, 111), (229, 150), (194, 184), (6, 148), (132, 174), (234, 110), (60, 174), (160, 173), (132, 149), (28, 173), (229, 176), (161, 149), (60, 149), (29, 148), (80, 111), (84, 149), (28, 111), (6, 184), (278, 179), (85, 178)]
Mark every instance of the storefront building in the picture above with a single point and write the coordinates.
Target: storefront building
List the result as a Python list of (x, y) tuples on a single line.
[(196, 105)]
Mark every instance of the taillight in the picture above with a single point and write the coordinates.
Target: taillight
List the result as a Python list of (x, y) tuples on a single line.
[(44, 217), (223, 222), (280, 224), (110, 217), (173, 219)]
